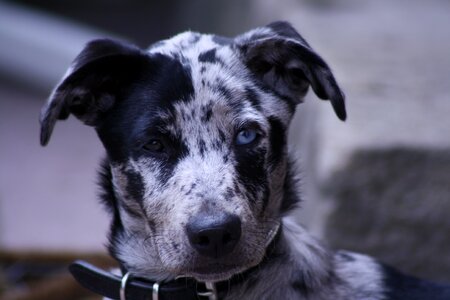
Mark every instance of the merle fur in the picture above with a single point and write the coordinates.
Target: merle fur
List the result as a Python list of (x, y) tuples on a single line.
[(130, 96)]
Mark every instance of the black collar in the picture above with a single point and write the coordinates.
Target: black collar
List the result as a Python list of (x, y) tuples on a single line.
[(110, 285)]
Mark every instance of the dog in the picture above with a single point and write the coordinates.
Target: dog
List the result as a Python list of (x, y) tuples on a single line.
[(197, 175)]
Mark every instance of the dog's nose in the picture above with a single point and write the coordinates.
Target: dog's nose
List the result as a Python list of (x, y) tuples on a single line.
[(214, 236)]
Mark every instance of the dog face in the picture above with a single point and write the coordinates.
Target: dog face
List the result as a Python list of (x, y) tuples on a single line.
[(195, 134)]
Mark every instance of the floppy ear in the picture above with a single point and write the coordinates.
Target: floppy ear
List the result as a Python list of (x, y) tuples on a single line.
[(281, 59), (91, 85)]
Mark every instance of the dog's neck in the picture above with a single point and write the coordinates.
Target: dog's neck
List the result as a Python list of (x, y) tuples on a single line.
[(294, 261)]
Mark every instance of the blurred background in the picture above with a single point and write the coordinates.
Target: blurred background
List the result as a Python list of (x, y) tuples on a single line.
[(378, 183)]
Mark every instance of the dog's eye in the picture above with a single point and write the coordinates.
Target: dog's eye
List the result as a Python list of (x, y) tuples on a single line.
[(154, 146), (246, 136)]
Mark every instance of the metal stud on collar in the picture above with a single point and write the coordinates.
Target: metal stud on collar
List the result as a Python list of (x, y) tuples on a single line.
[(155, 293), (123, 286), (211, 291)]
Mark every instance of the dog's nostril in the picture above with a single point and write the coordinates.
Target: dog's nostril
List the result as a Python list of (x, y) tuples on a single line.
[(214, 236), (203, 241), (226, 238)]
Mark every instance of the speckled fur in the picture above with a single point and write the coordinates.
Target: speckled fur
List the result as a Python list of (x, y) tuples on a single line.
[(195, 92)]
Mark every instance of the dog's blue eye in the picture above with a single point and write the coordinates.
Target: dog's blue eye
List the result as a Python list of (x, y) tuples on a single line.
[(154, 146), (246, 136)]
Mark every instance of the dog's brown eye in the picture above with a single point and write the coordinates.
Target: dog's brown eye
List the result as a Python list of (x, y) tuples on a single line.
[(154, 146)]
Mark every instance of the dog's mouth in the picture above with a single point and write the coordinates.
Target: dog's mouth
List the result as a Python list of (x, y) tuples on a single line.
[(214, 272), (188, 262)]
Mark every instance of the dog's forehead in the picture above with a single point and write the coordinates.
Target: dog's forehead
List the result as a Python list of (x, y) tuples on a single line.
[(218, 77), (224, 94)]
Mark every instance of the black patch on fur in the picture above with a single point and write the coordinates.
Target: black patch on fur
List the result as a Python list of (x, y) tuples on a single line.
[(277, 140), (208, 56), (134, 118), (253, 97), (237, 105), (400, 286), (135, 185), (252, 172), (222, 137), (207, 112), (178, 151), (223, 90), (107, 194), (97, 75), (151, 224), (229, 194), (193, 185), (202, 147), (175, 245), (110, 202), (132, 122), (218, 145)]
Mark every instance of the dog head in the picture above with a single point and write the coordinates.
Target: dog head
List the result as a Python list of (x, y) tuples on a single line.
[(195, 133)]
